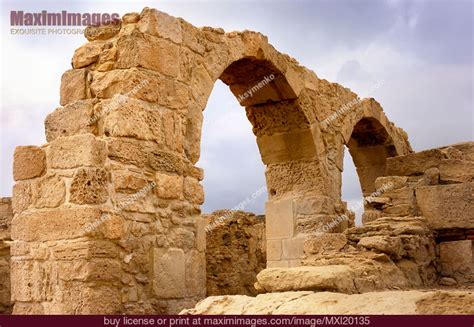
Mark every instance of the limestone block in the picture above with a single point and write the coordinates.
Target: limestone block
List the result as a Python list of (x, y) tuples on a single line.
[(201, 234), (312, 224), (54, 224), (370, 215), (128, 182), (87, 54), (49, 191), (368, 176), (457, 260), (192, 143), (279, 219), (76, 151), (323, 243), (130, 18), (280, 147), (293, 248), (293, 178), (182, 238), (193, 190), (68, 250), (196, 172), (30, 279), (73, 118), (168, 186), (456, 171), (201, 85), (324, 278), (102, 32), (28, 162), (193, 37), (97, 269), (400, 210), (369, 155), (6, 213), (89, 186), (414, 163), (447, 206), (143, 50), (169, 273), (311, 205), (141, 84), (404, 195), (160, 24), (390, 182), (73, 86), (274, 250), (22, 197), (391, 246), (196, 274)]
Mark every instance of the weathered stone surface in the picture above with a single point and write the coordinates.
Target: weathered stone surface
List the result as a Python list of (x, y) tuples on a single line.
[(196, 273), (141, 84), (49, 191), (325, 242), (73, 86), (456, 171), (128, 182), (169, 271), (89, 186), (131, 18), (53, 224), (128, 117), (102, 32), (169, 186), (313, 205), (447, 206), (28, 162), (76, 151), (22, 197), (279, 219), (385, 244), (143, 50), (387, 302), (193, 190), (280, 147), (334, 278), (414, 163), (235, 252), (457, 260), (88, 54), (73, 118), (160, 24)]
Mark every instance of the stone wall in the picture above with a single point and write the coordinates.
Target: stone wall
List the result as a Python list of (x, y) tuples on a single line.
[(437, 184), (235, 252), (5, 221)]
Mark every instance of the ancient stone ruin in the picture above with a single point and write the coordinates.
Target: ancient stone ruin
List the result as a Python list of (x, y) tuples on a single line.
[(107, 219)]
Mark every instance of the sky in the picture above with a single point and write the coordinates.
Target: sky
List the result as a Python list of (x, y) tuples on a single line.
[(420, 52)]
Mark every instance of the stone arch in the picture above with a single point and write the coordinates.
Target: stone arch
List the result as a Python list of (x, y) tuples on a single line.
[(123, 145), (371, 138)]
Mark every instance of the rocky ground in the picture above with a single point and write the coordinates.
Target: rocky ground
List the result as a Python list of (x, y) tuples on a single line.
[(307, 302)]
